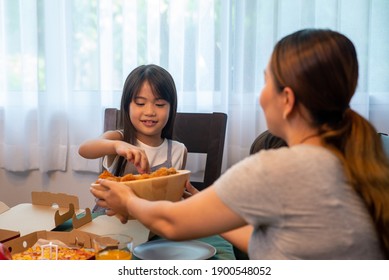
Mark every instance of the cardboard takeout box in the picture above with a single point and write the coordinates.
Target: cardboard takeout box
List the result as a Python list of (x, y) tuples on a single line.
[(3, 207), (46, 211), (39, 215), (6, 235), (103, 225), (73, 238)]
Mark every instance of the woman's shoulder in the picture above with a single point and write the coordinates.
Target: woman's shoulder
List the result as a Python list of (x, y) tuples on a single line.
[(295, 157), (296, 152)]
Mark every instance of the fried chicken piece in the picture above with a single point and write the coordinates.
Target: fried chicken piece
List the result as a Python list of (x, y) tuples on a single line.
[(105, 174), (128, 177), (172, 170), (163, 171), (108, 176)]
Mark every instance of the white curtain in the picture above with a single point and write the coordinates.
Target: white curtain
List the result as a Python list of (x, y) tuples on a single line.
[(63, 61)]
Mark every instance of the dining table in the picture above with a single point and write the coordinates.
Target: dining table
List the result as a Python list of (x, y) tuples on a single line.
[(224, 249)]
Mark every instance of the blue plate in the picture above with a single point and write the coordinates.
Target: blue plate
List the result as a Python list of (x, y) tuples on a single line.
[(172, 250)]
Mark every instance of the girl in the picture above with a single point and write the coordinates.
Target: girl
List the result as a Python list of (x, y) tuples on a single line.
[(325, 196), (148, 109)]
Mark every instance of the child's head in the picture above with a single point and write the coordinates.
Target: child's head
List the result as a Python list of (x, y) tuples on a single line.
[(162, 86)]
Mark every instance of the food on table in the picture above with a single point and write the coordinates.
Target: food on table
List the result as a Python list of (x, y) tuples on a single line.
[(115, 254), (163, 171), (64, 253)]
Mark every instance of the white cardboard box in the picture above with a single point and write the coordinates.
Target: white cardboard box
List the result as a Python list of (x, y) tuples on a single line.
[(46, 211)]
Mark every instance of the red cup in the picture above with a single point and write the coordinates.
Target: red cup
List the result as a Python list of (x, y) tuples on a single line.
[(4, 253)]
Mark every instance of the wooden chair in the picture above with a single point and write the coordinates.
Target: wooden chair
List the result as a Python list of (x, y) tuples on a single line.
[(202, 133), (385, 142), (265, 141)]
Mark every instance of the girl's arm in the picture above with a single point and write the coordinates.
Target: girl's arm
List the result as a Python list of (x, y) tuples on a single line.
[(111, 143), (105, 145), (201, 215)]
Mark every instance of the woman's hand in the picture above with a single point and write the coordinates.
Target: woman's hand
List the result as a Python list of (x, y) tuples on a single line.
[(133, 154), (113, 196), (190, 190), (123, 219)]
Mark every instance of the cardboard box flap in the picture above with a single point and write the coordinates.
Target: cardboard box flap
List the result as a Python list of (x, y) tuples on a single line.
[(60, 219), (57, 199), (6, 235), (3, 207), (82, 220), (49, 199), (104, 224), (73, 238), (47, 211)]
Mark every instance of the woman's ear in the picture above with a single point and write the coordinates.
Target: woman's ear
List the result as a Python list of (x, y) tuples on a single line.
[(289, 101)]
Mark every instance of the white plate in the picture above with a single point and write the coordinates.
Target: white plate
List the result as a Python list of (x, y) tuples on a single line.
[(171, 250)]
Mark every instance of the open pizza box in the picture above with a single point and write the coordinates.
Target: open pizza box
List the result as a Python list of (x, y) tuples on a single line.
[(104, 224), (72, 239), (6, 235), (46, 211), (3, 207)]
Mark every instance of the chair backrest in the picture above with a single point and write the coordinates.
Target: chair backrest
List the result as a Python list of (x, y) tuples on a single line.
[(385, 142), (265, 141), (111, 119), (201, 133)]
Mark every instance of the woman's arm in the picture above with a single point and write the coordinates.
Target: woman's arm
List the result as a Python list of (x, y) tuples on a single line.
[(201, 215), (239, 237)]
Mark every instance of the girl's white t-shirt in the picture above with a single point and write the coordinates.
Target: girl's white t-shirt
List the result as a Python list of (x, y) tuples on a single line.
[(155, 155)]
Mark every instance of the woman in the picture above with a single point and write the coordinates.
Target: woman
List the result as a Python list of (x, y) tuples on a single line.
[(325, 196)]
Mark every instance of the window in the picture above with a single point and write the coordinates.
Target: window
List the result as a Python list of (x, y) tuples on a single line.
[(62, 62)]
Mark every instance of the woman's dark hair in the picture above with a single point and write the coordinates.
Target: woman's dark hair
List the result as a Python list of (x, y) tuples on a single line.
[(162, 86), (321, 68)]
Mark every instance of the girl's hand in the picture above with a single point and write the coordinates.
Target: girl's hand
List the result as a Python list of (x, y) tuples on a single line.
[(113, 196), (133, 154), (190, 190)]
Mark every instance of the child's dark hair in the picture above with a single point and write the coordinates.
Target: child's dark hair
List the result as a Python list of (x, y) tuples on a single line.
[(162, 85)]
